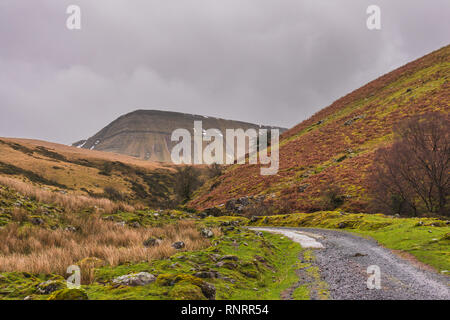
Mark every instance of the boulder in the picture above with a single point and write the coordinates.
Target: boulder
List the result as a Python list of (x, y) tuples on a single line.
[(137, 279), (207, 233), (178, 245)]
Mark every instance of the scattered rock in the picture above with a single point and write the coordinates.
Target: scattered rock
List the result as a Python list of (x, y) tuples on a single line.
[(50, 286), (151, 242), (37, 221), (207, 233), (359, 254), (342, 225), (350, 122), (178, 245), (207, 274), (302, 188), (229, 257), (227, 264), (214, 257), (133, 280)]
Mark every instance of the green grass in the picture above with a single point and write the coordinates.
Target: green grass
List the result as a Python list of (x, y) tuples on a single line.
[(249, 278), (425, 238)]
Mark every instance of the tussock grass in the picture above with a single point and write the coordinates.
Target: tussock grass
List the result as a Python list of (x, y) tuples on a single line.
[(42, 251), (70, 202)]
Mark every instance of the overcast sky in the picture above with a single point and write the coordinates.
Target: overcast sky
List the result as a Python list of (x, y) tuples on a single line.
[(265, 61)]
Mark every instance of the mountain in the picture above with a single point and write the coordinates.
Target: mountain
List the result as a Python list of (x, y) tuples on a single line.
[(336, 145), (146, 134)]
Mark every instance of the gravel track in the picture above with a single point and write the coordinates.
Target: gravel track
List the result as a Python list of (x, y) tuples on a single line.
[(343, 264)]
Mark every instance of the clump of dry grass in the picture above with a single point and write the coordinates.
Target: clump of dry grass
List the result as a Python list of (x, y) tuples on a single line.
[(39, 250), (70, 202)]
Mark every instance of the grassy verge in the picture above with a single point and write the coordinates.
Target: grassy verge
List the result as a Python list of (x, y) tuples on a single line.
[(427, 239)]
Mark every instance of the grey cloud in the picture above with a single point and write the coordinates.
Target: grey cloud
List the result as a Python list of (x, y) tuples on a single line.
[(265, 61)]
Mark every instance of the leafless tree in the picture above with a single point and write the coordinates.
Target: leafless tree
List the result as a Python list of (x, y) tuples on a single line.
[(412, 176)]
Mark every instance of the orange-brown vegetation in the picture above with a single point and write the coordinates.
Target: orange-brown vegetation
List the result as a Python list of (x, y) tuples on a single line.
[(70, 202), (338, 143)]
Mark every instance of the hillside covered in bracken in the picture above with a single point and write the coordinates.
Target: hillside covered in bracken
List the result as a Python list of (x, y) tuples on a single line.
[(334, 149)]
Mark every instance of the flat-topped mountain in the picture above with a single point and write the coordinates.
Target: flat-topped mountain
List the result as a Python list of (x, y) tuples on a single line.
[(146, 134)]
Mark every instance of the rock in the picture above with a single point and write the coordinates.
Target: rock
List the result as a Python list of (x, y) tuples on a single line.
[(28, 298), (259, 233), (342, 225), (209, 290), (50, 286), (37, 221), (229, 257), (227, 264), (397, 215), (135, 225), (178, 245), (207, 274), (133, 280), (69, 294), (302, 188), (231, 280), (214, 257), (359, 254), (186, 291), (70, 229), (151, 242), (349, 122), (420, 223), (207, 233)]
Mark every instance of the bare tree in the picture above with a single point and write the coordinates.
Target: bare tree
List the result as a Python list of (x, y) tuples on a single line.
[(412, 176), (186, 182)]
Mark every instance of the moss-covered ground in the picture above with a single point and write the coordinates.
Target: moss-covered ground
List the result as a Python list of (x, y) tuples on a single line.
[(240, 264)]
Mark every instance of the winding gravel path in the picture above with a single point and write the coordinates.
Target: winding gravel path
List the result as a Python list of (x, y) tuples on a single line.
[(343, 263)]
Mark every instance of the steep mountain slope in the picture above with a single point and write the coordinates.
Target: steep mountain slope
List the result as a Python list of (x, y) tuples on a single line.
[(76, 171), (336, 145), (146, 134)]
